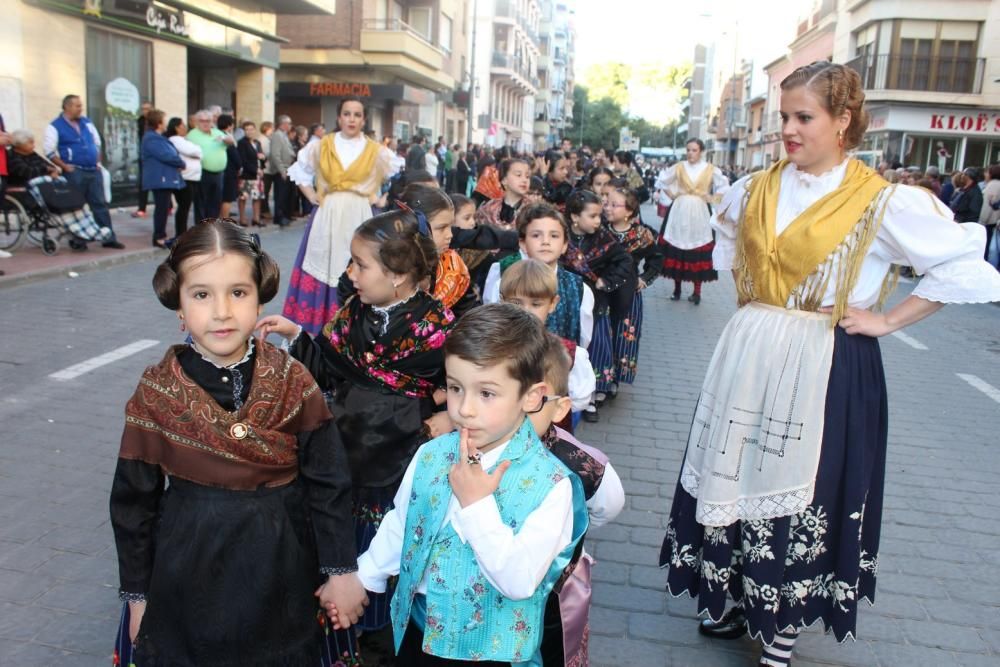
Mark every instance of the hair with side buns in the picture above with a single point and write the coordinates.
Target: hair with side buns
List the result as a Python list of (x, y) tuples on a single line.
[(401, 248), (839, 90), (210, 238)]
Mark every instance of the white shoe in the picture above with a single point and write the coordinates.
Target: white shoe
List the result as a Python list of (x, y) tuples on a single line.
[(5, 255)]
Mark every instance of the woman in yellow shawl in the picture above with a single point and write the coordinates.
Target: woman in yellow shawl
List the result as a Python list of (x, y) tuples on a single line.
[(779, 501), (342, 176)]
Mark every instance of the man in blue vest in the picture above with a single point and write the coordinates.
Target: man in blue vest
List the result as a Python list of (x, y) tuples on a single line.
[(72, 142)]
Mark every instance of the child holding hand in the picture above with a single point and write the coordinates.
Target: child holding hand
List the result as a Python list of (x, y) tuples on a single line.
[(485, 519)]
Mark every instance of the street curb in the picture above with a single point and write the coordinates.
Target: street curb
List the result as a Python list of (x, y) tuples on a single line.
[(120, 259)]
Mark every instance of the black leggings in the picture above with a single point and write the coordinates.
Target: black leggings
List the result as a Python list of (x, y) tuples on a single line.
[(185, 198)]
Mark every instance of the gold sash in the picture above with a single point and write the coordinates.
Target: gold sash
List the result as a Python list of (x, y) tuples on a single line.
[(770, 268), (702, 187), (338, 179)]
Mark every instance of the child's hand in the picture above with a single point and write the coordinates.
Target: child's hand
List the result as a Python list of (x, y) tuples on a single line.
[(642, 285), (136, 611), (600, 284), (282, 326), (469, 482), (344, 599), (440, 396), (439, 424)]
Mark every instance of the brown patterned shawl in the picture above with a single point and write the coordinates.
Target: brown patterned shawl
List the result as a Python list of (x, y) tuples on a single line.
[(172, 422)]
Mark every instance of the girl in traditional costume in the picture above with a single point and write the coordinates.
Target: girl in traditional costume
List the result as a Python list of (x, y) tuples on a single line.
[(500, 212), (381, 356), (348, 170), (606, 267), (622, 213), (231, 498), (779, 501), (691, 185)]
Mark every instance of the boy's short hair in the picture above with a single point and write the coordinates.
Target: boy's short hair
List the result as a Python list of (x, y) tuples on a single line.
[(557, 365), (500, 333), (529, 278), (528, 214)]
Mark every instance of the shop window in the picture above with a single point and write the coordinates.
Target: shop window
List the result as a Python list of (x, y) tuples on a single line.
[(923, 151), (119, 79), (976, 151), (401, 130)]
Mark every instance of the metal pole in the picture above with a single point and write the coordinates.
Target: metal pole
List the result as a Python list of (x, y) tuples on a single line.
[(472, 77)]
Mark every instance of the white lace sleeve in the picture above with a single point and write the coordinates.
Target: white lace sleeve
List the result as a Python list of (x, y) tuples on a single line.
[(917, 231), (728, 216), (720, 182), (303, 171)]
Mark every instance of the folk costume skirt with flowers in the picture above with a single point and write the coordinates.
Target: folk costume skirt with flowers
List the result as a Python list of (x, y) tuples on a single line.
[(614, 345), (694, 265), (817, 565), (232, 584), (602, 348)]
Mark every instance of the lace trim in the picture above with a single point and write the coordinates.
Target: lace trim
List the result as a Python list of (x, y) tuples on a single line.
[(131, 597), (964, 281), (337, 571), (807, 178), (246, 356), (771, 506), (384, 312)]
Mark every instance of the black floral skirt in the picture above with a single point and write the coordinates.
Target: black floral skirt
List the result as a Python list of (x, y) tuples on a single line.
[(817, 565)]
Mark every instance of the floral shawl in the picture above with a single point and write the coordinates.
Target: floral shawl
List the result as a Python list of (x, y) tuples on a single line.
[(410, 344), (488, 184)]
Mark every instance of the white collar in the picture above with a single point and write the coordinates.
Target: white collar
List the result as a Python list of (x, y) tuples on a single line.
[(835, 174), (230, 366)]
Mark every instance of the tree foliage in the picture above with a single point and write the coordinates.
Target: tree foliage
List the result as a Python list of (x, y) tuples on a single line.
[(600, 106)]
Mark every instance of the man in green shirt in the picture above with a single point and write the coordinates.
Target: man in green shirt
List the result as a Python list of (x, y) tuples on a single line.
[(213, 161)]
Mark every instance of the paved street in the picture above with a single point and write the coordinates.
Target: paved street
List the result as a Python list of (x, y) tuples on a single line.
[(938, 599)]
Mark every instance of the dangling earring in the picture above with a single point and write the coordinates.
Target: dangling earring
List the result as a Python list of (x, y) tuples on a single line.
[(840, 138), (395, 290), (183, 326)]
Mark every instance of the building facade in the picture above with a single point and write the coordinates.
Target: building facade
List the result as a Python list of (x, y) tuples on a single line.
[(116, 54), (407, 59), (505, 77)]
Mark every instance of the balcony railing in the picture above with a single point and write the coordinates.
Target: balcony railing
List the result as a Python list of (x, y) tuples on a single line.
[(393, 25), (924, 74), (507, 61)]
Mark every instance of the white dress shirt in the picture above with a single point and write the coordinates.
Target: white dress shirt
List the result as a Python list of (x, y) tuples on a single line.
[(514, 563), (917, 230)]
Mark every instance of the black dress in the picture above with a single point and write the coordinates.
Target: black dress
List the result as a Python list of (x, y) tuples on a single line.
[(231, 576)]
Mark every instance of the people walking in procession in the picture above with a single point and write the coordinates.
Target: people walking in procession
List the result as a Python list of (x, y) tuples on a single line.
[(779, 500), (692, 185)]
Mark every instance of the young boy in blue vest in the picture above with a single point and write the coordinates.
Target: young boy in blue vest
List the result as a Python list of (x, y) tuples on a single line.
[(485, 519), (544, 235)]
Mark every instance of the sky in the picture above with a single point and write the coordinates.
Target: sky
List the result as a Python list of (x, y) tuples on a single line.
[(639, 31)]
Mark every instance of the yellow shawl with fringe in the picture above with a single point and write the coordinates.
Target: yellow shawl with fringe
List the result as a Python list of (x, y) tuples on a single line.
[(699, 188), (837, 229), (338, 179)]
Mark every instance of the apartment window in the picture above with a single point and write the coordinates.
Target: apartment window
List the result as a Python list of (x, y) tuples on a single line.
[(936, 56), (445, 36), (420, 21)]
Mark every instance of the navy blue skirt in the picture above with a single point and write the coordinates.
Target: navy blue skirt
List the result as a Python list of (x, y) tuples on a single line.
[(813, 566)]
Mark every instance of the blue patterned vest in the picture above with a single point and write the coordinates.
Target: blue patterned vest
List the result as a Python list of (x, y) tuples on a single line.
[(467, 618), (565, 319)]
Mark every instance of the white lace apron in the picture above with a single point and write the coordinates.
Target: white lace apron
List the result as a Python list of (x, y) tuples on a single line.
[(755, 441)]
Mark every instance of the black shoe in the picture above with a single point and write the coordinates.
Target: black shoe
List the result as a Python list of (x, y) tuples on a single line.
[(77, 245), (599, 399), (612, 392), (695, 299), (115, 245), (676, 296), (732, 625), (591, 416)]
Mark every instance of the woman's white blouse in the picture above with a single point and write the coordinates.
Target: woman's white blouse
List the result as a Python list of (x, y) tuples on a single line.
[(917, 230), (303, 171)]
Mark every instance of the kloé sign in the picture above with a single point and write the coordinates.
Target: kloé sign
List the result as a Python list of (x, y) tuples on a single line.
[(980, 122)]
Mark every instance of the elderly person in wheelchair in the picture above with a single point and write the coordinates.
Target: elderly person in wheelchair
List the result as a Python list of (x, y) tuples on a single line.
[(53, 202)]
